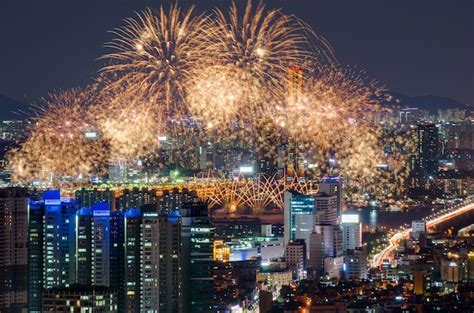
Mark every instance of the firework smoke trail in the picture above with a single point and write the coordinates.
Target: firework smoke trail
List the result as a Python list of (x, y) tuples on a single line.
[(57, 150)]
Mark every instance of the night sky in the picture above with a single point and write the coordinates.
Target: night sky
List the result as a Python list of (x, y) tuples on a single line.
[(416, 47)]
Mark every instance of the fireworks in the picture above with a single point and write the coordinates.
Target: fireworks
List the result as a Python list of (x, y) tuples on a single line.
[(255, 194), (62, 145), (155, 53), (259, 77)]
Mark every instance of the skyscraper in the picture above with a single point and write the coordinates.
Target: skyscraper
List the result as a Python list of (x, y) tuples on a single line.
[(427, 149), (197, 235), (13, 249), (326, 209), (170, 276), (129, 300), (298, 216), (332, 185), (51, 249), (58, 248)]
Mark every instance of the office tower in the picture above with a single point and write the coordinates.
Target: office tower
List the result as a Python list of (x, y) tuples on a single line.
[(87, 197), (58, 246), (332, 185), (131, 277), (80, 298), (13, 250), (295, 255), (427, 149), (325, 242), (351, 231), (298, 215), (355, 264), (326, 209), (197, 235)]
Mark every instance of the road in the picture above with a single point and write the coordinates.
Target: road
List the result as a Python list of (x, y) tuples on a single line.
[(431, 220)]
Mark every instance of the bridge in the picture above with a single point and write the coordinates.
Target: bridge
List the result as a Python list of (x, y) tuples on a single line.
[(431, 221)]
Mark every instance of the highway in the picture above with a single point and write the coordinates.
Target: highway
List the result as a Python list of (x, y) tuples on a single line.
[(431, 220)]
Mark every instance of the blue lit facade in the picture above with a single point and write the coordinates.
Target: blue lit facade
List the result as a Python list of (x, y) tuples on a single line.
[(51, 250), (298, 211)]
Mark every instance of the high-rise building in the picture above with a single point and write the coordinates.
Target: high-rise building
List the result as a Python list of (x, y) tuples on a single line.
[(295, 255), (298, 216), (427, 149), (170, 276), (51, 249), (35, 256), (58, 248), (197, 234), (355, 264), (129, 300), (326, 209), (150, 260), (325, 242), (351, 231), (332, 185), (13, 250)]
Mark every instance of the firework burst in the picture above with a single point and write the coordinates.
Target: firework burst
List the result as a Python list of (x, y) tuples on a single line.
[(155, 52), (62, 143)]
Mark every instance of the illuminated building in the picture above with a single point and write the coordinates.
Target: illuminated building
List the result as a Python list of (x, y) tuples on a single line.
[(58, 249), (326, 209), (325, 242), (93, 245), (87, 197), (298, 216), (275, 278), (220, 252), (234, 281), (450, 270), (295, 255), (79, 298), (35, 256), (197, 234), (170, 276), (332, 185), (355, 264), (426, 163), (160, 289), (351, 231), (418, 228), (50, 251), (13, 249), (131, 277), (136, 198), (418, 282)]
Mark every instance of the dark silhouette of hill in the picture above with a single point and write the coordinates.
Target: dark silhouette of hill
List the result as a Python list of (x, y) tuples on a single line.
[(428, 102), (11, 109)]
